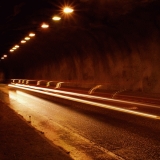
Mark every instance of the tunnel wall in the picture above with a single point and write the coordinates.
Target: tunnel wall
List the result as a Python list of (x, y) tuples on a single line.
[(124, 54)]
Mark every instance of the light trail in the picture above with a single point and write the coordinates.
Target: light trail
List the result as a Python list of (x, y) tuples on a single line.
[(88, 102), (88, 96)]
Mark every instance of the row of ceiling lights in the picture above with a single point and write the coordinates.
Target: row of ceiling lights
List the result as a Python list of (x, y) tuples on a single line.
[(22, 41), (66, 10)]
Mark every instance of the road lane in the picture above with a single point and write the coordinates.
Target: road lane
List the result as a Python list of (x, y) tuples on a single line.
[(96, 135)]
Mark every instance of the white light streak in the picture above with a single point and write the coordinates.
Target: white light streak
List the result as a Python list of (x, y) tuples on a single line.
[(30, 88), (87, 96)]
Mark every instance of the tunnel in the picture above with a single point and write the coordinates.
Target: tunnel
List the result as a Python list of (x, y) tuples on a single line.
[(112, 43)]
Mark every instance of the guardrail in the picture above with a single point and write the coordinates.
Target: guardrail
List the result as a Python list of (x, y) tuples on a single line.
[(89, 88)]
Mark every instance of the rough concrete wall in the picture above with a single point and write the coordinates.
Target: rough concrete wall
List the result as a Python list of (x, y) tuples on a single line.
[(99, 56), (124, 53)]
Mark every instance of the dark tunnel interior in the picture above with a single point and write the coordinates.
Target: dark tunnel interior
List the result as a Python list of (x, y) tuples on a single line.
[(103, 42)]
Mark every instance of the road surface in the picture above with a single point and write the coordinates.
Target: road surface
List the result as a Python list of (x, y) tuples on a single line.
[(88, 134)]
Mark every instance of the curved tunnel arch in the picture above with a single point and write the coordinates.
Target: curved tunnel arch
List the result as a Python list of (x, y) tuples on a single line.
[(124, 53)]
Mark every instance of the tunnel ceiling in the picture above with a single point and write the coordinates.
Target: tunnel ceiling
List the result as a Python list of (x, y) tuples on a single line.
[(19, 17)]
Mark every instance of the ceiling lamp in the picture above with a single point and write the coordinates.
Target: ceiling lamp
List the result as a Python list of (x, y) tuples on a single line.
[(23, 41), (56, 18), (11, 50), (67, 10), (32, 34), (44, 25), (16, 46), (27, 38)]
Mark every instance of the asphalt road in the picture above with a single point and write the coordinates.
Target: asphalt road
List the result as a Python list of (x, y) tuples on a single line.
[(86, 133)]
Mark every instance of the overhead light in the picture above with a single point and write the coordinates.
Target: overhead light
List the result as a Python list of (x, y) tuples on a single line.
[(16, 46), (2, 57), (23, 41), (32, 34), (11, 50), (27, 38), (5, 56), (44, 25), (56, 18), (67, 10)]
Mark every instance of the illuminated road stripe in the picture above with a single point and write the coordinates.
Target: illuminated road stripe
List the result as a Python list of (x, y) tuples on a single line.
[(90, 103)]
